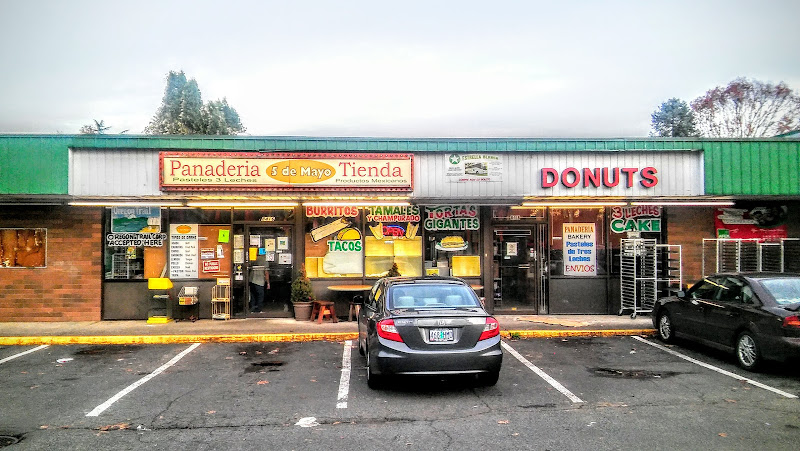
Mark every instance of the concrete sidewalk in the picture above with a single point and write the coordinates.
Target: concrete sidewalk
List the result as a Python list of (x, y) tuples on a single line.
[(282, 329)]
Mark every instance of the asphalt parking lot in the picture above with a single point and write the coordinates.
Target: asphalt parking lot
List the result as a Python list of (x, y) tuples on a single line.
[(556, 393)]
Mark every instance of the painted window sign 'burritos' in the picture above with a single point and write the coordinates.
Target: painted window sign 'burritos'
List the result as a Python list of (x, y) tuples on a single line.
[(190, 170)]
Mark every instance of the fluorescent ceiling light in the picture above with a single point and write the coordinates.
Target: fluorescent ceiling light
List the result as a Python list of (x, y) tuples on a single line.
[(218, 204), (100, 203), (688, 203), (572, 204), (356, 204)]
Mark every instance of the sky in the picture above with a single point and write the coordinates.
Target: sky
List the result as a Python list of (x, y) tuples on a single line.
[(428, 69)]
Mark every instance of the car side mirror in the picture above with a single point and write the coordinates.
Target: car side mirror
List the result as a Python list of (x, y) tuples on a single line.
[(681, 294)]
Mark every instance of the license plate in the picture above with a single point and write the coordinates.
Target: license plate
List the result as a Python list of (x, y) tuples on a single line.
[(441, 334)]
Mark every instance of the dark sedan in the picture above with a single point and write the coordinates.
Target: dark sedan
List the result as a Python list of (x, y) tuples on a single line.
[(754, 315), (427, 326)]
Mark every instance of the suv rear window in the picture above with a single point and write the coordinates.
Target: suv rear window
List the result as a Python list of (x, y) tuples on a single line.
[(431, 296)]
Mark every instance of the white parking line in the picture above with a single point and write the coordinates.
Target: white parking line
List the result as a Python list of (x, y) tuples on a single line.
[(344, 380), (541, 374), (22, 353), (718, 370), (99, 409)]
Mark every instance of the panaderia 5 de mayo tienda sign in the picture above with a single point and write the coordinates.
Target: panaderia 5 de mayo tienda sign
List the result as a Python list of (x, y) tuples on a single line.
[(190, 171)]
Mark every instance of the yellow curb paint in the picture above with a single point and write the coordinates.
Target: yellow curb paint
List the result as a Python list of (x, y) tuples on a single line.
[(164, 339), (575, 333), (300, 337)]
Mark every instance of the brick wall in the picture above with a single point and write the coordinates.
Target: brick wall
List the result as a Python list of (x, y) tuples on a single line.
[(69, 288), (688, 226)]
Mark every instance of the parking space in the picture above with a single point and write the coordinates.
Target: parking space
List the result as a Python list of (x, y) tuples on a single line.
[(275, 385)]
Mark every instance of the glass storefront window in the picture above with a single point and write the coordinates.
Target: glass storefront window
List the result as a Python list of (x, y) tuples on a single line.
[(23, 248), (333, 243), (452, 245), (578, 242), (133, 242), (393, 236)]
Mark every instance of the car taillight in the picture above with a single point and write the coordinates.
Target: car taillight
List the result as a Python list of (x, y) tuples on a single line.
[(387, 330), (491, 329), (792, 321)]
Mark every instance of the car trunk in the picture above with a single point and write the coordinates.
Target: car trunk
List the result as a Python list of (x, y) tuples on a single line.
[(443, 329)]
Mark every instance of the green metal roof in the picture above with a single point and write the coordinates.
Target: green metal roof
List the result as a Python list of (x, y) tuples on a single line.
[(38, 164)]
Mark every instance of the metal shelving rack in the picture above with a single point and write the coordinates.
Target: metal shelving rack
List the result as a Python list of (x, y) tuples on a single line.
[(740, 255), (648, 271), (638, 275), (670, 269)]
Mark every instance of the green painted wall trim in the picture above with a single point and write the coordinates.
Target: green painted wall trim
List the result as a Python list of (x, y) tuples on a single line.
[(34, 164), (733, 167)]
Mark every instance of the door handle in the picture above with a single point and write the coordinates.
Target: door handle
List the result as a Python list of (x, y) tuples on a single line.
[(523, 266)]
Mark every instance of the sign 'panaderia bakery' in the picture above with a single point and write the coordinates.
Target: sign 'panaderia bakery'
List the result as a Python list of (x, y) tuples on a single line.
[(252, 171)]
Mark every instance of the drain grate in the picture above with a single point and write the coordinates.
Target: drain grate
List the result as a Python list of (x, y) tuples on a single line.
[(8, 440)]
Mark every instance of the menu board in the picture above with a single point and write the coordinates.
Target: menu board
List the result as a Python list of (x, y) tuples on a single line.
[(183, 251)]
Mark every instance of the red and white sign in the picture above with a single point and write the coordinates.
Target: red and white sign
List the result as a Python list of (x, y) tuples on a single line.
[(210, 265), (190, 171), (762, 223)]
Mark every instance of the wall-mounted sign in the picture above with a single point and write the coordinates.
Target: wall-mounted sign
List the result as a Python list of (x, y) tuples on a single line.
[(639, 218), (599, 177), (211, 266), (253, 171), (452, 217), (759, 222), (135, 219), (579, 249), (474, 168)]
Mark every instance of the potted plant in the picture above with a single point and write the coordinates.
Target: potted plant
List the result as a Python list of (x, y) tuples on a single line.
[(301, 295), (394, 271)]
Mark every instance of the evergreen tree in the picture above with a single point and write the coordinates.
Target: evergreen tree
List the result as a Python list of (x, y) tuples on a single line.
[(182, 111), (673, 119)]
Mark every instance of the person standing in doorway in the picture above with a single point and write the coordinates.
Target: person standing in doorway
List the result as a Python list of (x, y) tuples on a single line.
[(259, 282)]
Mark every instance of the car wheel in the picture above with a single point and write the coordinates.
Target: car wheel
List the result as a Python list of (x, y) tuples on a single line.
[(373, 380), (666, 331), (489, 379), (747, 352)]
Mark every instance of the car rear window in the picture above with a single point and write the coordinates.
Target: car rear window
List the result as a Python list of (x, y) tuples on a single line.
[(431, 296), (785, 290)]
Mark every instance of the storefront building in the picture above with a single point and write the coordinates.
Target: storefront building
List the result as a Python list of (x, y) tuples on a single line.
[(534, 225)]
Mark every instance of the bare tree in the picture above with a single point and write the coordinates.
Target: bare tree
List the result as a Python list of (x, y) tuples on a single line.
[(98, 128), (747, 109)]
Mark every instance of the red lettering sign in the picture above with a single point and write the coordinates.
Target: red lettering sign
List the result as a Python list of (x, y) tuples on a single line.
[(599, 177)]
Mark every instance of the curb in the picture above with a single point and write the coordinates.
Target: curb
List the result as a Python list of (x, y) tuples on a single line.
[(286, 338), (514, 334)]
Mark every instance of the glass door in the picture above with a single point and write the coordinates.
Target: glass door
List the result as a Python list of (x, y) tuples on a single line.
[(520, 268), (269, 268)]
